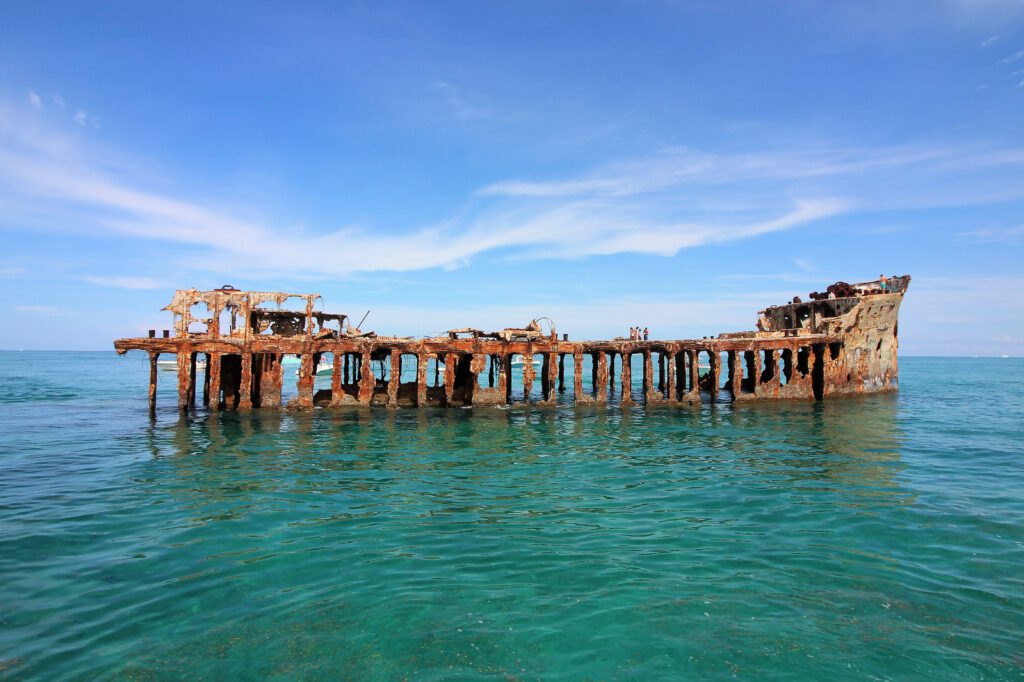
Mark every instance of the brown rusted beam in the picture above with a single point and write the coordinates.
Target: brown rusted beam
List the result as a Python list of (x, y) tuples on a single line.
[(545, 377), (184, 385), (307, 375), (552, 373), (611, 373), (735, 373), (366, 380), (694, 361), (661, 370), (337, 392), (153, 359), (648, 374), (505, 378), (213, 367), (577, 378), (245, 388), (394, 378), (192, 358), (421, 379), (601, 377), (669, 367), (528, 375), (449, 378), (627, 378), (206, 381)]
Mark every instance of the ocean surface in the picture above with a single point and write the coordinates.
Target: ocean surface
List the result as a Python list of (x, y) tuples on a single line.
[(872, 538)]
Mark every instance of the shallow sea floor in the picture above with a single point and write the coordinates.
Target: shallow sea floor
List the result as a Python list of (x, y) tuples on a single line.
[(874, 538)]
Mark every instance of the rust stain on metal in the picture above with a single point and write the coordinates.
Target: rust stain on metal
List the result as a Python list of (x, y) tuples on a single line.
[(841, 342)]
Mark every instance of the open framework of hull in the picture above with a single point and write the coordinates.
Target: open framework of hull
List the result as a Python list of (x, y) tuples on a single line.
[(828, 347)]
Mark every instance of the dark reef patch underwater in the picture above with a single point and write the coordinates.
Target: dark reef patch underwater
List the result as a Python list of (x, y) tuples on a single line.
[(871, 538)]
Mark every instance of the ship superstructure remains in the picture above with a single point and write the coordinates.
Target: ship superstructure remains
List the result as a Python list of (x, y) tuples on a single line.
[(842, 342)]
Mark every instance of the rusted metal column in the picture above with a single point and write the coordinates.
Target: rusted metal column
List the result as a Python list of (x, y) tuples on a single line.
[(305, 383), (395, 378), (477, 363), (421, 379), (561, 372), (776, 383), (213, 367), (206, 381), (648, 375), (627, 378), (679, 361), (736, 373), (611, 373), (661, 370), (694, 372), (438, 359), (245, 389), (504, 375), (545, 377), (346, 356), (366, 379), (528, 374), (184, 385), (449, 378), (577, 376), (593, 373), (337, 392), (271, 379), (601, 377), (552, 370), (669, 364), (757, 372), (192, 358), (153, 358), (491, 361), (714, 369)]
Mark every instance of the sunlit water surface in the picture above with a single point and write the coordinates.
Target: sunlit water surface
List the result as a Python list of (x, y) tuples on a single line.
[(875, 538)]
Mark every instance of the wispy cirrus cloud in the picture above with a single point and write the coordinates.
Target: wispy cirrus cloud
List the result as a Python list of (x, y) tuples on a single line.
[(39, 310), (1012, 58), (656, 205), (458, 104), (123, 281), (999, 235)]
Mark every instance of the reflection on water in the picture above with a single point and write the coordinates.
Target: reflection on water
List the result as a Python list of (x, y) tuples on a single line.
[(839, 539)]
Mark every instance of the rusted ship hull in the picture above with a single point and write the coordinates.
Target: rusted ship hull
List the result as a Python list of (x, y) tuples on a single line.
[(807, 351)]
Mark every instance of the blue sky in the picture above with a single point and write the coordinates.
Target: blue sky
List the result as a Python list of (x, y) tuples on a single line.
[(671, 164)]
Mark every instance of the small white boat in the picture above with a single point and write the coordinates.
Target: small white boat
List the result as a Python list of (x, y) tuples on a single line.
[(322, 371), (519, 362), (172, 365)]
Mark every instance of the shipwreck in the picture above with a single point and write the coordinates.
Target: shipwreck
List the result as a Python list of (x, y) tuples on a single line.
[(841, 342)]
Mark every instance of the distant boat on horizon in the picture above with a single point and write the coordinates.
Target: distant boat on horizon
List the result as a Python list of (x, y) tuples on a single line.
[(172, 365)]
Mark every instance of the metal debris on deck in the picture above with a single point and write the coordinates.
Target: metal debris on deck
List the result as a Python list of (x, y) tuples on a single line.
[(841, 342)]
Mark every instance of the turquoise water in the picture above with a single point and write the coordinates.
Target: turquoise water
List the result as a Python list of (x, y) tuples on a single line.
[(875, 538)]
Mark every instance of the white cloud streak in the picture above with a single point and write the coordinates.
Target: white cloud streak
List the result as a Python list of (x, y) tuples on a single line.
[(38, 310), (123, 281), (34, 100), (457, 103), (657, 206)]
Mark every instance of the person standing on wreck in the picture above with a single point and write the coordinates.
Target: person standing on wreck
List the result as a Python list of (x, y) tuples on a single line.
[(645, 333), (883, 283)]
